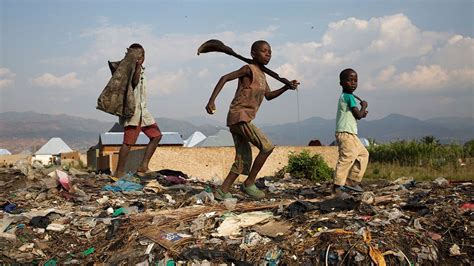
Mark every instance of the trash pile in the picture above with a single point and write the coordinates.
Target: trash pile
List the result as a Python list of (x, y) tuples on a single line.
[(55, 216)]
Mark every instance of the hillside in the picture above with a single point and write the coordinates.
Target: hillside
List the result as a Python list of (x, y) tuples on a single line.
[(21, 131)]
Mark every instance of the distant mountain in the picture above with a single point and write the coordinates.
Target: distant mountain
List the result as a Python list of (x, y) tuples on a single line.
[(21, 131), (389, 128), (30, 130), (301, 133), (202, 121)]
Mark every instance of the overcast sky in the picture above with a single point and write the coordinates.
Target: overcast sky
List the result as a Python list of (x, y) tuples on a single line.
[(413, 57)]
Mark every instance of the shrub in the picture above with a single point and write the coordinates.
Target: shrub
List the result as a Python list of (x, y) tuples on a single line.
[(469, 148), (305, 165), (426, 152)]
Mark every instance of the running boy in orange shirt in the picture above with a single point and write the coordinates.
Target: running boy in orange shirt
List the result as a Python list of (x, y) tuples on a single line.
[(251, 89)]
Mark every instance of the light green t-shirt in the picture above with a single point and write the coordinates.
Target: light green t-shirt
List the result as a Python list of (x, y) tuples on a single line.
[(345, 120)]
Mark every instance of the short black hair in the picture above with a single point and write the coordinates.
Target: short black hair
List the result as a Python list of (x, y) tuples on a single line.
[(257, 44), (345, 73), (136, 45)]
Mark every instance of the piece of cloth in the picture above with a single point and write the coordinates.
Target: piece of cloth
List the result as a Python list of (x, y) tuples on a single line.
[(353, 159), (141, 115), (117, 98), (345, 120), (337, 204), (248, 97), (123, 185), (298, 208), (40, 221), (243, 134), (131, 133), (175, 180), (173, 172)]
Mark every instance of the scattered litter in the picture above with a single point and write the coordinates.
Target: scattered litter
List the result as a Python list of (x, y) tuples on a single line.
[(47, 220), (232, 224)]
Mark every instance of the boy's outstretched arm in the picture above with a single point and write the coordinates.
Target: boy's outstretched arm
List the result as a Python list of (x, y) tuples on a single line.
[(243, 71), (359, 114), (270, 95)]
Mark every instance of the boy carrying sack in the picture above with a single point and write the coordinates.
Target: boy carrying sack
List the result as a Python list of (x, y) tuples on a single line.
[(252, 87)]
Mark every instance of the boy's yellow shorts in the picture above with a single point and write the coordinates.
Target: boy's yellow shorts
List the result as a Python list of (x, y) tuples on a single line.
[(243, 134)]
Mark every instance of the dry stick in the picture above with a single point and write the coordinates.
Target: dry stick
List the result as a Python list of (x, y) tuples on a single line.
[(350, 249), (298, 111), (327, 254)]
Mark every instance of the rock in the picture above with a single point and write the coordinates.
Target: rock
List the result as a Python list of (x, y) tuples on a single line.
[(454, 250), (41, 197), (368, 197), (26, 247), (56, 227), (441, 182)]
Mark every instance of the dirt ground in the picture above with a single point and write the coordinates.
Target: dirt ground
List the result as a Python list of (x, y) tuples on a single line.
[(54, 217)]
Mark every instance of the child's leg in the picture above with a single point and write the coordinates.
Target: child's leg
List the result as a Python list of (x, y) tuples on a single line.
[(229, 180), (347, 156), (130, 136), (243, 159), (154, 134), (123, 154), (257, 138), (360, 164)]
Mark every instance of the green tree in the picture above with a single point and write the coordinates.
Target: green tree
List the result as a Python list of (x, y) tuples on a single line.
[(431, 140)]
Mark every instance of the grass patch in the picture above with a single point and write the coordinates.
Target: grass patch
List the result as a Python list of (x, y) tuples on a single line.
[(392, 171)]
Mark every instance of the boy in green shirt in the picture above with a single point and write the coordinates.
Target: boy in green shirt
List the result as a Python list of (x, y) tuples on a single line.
[(353, 156)]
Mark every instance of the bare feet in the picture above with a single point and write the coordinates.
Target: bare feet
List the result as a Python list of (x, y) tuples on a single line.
[(118, 175), (143, 170)]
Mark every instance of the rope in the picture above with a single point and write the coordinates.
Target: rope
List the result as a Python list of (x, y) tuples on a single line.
[(298, 112)]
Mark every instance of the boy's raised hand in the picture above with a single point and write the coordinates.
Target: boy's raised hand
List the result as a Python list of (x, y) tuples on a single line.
[(294, 85), (211, 108)]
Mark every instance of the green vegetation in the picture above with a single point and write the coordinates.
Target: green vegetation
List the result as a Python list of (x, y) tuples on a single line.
[(388, 171), (305, 165), (426, 152), (423, 159)]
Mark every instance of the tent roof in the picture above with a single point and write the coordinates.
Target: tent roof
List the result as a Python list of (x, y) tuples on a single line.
[(194, 139), (116, 138), (222, 138), (5, 152), (53, 146)]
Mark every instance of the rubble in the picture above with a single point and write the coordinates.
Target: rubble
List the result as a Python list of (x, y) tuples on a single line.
[(54, 216)]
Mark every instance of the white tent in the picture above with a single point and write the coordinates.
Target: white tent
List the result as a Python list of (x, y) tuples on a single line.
[(194, 139), (5, 152), (52, 148)]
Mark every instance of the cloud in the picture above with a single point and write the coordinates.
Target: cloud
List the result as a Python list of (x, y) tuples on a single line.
[(49, 80), (388, 52), (166, 83), (7, 78)]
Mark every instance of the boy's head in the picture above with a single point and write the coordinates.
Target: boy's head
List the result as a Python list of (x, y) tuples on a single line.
[(348, 80), (140, 47), (261, 52)]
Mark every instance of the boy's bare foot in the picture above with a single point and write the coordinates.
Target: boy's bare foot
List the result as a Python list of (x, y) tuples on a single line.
[(117, 175), (143, 170)]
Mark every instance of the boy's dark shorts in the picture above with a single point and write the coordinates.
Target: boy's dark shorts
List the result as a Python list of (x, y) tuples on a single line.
[(131, 133), (243, 134)]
